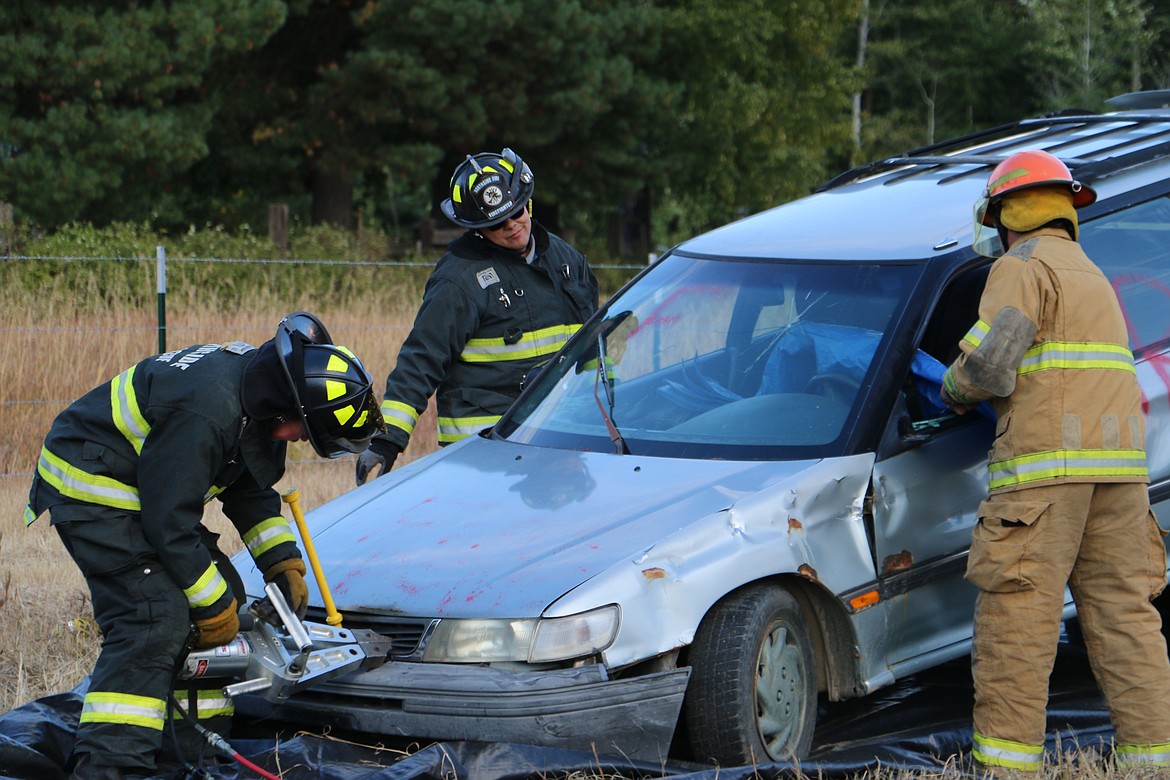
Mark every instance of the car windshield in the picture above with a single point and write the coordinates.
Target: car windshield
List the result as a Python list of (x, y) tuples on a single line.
[(718, 358)]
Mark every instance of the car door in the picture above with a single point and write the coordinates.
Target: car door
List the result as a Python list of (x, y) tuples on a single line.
[(928, 481)]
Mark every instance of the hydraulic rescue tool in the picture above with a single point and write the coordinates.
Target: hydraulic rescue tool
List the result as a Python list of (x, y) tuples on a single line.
[(280, 654)]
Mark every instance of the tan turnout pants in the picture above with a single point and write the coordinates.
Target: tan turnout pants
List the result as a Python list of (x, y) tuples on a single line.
[(1104, 542)]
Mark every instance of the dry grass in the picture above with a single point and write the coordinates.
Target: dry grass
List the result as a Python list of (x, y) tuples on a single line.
[(55, 349)]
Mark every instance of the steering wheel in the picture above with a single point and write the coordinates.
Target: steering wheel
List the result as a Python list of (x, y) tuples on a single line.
[(839, 387)]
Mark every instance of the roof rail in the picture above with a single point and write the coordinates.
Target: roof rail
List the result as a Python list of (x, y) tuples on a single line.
[(928, 156)]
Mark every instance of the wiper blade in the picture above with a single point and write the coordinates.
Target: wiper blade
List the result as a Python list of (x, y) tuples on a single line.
[(604, 379)]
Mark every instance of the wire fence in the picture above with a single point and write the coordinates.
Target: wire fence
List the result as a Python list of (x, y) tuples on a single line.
[(50, 360)]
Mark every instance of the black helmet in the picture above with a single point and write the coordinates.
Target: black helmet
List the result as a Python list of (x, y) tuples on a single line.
[(333, 391), (487, 189)]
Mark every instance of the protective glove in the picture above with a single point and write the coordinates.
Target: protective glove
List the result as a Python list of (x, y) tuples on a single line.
[(218, 630), (380, 453), (289, 576)]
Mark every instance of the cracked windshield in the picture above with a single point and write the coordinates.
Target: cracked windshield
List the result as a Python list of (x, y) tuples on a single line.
[(718, 359)]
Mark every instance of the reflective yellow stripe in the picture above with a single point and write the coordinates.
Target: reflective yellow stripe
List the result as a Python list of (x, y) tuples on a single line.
[(207, 590), (124, 405), (453, 429), (1008, 754), (265, 535), (1076, 355), (104, 707), (1129, 754), (72, 482), (1039, 466), (975, 336), (29, 516), (399, 415), (212, 492), (535, 343), (209, 703)]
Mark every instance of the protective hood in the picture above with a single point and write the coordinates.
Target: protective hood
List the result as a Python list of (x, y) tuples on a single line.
[(1025, 210)]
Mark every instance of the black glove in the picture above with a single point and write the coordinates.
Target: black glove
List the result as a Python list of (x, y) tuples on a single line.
[(380, 453)]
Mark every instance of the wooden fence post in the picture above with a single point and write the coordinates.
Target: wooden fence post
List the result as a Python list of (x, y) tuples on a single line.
[(7, 229), (278, 225)]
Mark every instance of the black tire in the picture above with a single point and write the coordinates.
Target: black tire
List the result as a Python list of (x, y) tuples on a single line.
[(756, 641)]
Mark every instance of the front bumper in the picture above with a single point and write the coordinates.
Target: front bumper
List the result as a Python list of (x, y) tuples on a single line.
[(576, 709)]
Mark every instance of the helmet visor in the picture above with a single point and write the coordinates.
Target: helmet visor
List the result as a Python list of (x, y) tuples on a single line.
[(355, 438), (986, 235)]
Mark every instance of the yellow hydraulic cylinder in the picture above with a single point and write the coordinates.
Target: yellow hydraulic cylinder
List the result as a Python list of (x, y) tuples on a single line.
[(292, 497)]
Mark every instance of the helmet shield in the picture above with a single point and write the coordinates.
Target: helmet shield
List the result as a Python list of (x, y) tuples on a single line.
[(986, 241)]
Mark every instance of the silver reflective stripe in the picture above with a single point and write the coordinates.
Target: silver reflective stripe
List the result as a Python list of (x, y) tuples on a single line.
[(106, 707), (1067, 463), (207, 590), (127, 416), (976, 334), (399, 415), (533, 344), (1128, 754), (266, 534), (1005, 753), (72, 482), (1054, 354), (452, 429)]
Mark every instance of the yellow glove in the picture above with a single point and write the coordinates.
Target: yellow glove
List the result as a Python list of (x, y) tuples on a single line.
[(218, 630), (289, 576)]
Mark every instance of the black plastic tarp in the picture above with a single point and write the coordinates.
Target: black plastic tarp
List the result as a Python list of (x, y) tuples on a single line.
[(919, 724)]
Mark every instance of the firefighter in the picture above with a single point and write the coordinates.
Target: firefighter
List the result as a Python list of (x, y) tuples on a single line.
[(1068, 501), (125, 472), (504, 297)]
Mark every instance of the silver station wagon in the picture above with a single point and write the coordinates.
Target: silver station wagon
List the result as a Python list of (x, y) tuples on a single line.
[(734, 492)]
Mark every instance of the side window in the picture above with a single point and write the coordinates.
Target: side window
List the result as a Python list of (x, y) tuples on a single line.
[(1132, 247), (956, 312)]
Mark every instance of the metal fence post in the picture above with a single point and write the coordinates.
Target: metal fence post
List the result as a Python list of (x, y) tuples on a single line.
[(161, 254)]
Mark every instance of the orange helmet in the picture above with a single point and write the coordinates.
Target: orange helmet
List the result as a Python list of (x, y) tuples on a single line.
[(1032, 168)]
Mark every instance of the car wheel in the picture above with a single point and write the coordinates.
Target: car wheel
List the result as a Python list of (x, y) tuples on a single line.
[(752, 696)]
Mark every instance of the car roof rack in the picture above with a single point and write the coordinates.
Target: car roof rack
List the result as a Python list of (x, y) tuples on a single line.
[(1050, 132)]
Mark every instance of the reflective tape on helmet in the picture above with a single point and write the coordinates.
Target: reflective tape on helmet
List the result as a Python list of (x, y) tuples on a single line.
[(1040, 466), (452, 429), (267, 534), (72, 482), (123, 708), (1131, 754), (127, 416), (399, 415), (536, 343), (208, 589), (1007, 754)]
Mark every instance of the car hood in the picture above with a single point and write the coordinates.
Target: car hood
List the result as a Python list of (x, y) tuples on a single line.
[(488, 528)]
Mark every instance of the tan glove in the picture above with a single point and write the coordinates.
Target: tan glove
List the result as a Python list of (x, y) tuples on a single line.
[(218, 630), (289, 576)]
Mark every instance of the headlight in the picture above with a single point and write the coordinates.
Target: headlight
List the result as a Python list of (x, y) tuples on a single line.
[(537, 641)]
